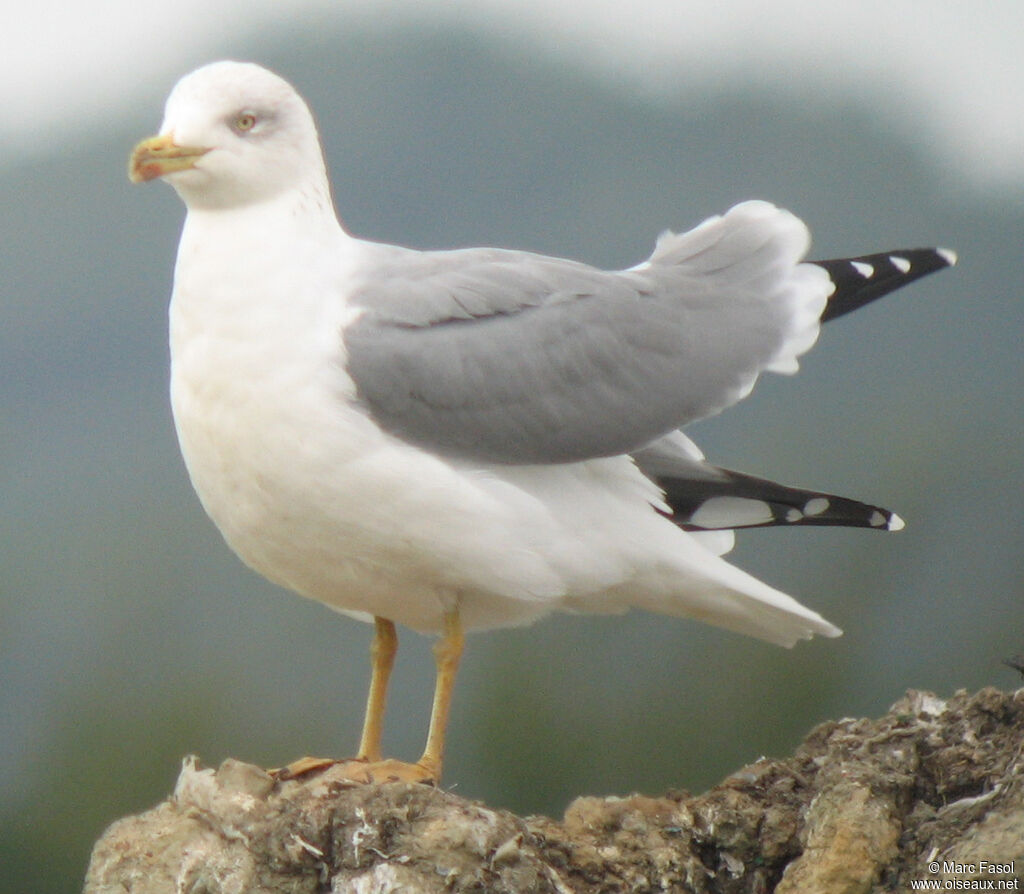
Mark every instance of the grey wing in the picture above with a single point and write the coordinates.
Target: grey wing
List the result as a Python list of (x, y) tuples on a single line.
[(511, 357)]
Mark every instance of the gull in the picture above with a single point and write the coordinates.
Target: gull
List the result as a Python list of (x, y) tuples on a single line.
[(469, 439)]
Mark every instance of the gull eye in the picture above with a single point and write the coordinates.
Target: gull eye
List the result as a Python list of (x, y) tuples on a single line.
[(245, 122)]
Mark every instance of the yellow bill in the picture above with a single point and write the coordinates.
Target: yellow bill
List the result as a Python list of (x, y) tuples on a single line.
[(160, 155)]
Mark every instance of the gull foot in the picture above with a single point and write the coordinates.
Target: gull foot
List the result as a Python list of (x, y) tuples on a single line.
[(303, 766), (359, 770), (390, 770)]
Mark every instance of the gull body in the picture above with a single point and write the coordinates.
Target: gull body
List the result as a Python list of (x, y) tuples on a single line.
[(310, 492), (472, 438)]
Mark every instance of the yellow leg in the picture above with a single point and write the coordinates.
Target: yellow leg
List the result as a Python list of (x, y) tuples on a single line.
[(447, 652), (368, 767), (382, 656)]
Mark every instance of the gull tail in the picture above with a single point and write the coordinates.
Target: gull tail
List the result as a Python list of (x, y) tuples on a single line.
[(703, 499), (859, 281), (709, 589)]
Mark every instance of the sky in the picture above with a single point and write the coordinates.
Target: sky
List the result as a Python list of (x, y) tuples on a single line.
[(952, 68)]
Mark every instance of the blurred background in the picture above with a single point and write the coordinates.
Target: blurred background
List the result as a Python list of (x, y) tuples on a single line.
[(130, 636)]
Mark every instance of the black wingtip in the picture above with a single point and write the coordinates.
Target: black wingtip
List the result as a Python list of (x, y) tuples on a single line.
[(864, 279), (732, 500)]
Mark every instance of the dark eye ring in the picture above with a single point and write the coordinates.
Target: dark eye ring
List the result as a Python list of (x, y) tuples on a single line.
[(245, 121)]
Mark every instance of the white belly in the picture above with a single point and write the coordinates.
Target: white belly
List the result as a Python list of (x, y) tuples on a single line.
[(310, 493)]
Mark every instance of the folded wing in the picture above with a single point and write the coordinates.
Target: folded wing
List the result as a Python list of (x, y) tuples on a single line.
[(512, 357)]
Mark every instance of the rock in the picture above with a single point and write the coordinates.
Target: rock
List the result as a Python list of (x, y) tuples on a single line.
[(931, 790)]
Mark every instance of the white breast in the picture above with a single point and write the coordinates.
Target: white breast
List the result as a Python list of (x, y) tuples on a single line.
[(299, 480)]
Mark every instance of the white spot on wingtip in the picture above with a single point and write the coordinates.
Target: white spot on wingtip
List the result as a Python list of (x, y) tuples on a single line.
[(729, 512), (864, 269), (816, 506), (901, 264), (948, 255), (793, 515), (892, 523)]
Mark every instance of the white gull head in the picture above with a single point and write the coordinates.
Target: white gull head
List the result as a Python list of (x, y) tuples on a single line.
[(234, 134)]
